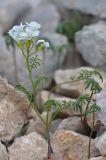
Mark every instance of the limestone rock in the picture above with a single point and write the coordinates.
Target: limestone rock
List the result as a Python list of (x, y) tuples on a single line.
[(95, 7), (90, 42), (74, 145), (100, 143), (29, 147), (36, 126), (72, 124), (101, 101), (10, 10), (74, 89), (3, 152), (14, 109)]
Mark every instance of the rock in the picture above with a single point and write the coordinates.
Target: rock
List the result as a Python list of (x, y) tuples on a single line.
[(29, 147), (74, 89), (100, 143), (98, 158), (39, 12), (6, 62), (43, 97), (74, 145), (101, 101), (3, 152), (55, 125), (36, 126), (97, 124), (10, 10), (90, 42), (14, 110), (72, 124), (96, 8)]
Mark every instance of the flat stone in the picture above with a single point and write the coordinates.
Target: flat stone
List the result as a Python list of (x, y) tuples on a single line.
[(74, 89)]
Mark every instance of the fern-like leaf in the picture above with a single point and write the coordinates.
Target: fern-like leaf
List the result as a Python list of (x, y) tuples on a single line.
[(40, 81), (25, 91), (34, 62)]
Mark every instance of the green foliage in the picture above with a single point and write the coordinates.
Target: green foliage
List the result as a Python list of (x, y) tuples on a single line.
[(92, 109), (77, 105), (28, 94), (71, 26), (90, 83), (40, 81), (34, 62), (56, 106), (9, 41)]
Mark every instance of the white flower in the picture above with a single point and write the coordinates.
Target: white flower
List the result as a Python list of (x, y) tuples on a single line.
[(25, 32), (44, 43), (33, 25)]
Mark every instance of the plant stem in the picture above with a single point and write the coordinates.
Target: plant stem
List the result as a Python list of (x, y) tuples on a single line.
[(50, 151), (43, 61), (89, 147), (34, 105), (15, 64), (85, 117)]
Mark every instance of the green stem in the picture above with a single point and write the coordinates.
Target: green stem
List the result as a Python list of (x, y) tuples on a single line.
[(15, 64), (43, 62), (90, 138), (85, 117)]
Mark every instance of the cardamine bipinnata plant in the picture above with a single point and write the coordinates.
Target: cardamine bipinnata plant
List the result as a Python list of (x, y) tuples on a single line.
[(90, 82), (27, 38)]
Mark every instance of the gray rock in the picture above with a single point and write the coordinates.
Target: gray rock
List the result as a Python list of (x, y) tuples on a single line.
[(29, 147), (94, 7), (90, 42), (72, 124), (100, 143), (10, 10), (3, 152), (101, 101)]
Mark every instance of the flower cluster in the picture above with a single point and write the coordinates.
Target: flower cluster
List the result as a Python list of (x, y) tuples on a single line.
[(43, 43), (25, 32)]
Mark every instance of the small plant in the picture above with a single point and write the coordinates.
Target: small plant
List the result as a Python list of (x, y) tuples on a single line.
[(28, 40), (71, 26), (90, 105)]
